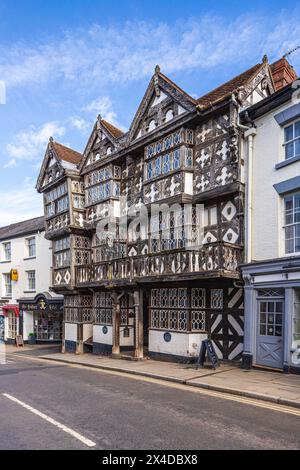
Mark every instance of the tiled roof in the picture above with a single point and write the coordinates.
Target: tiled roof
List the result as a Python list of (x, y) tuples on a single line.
[(22, 228), (66, 154), (114, 131), (173, 84), (229, 87)]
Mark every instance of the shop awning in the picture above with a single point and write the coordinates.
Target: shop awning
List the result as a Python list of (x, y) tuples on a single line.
[(7, 308)]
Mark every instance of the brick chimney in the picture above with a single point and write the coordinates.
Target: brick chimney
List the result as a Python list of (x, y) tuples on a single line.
[(282, 73)]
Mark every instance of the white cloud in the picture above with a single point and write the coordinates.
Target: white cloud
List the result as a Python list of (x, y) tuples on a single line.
[(80, 124), (20, 204), (30, 143), (11, 163), (103, 106), (105, 55)]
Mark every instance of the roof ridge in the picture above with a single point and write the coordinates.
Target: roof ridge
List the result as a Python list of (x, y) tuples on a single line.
[(247, 74), (164, 77), (66, 153), (10, 227), (65, 146), (114, 130)]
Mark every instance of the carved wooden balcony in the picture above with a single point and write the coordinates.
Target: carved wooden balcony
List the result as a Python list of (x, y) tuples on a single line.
[(214, 260)]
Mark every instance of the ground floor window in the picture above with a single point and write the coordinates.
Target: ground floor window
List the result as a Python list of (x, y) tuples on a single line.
[(103, 308), (12, 325), (48, 326), (2, 328), (296, 319), (179, 309), (78, 308)]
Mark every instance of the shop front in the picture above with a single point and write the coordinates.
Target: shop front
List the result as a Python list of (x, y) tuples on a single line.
[(42, 318), (272, 314), (10, 323)]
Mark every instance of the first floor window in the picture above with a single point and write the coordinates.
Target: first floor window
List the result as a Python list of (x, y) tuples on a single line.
[(292, 140), (292, 223), (31, 280), (296, 319), (149, 170), (176, 159), (7, 251), (30, 247), (7, 285)]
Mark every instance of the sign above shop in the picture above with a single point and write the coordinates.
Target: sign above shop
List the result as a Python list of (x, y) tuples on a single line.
[(40, 303)]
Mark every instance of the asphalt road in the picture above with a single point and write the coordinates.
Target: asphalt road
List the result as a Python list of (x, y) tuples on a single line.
[(117, 412)]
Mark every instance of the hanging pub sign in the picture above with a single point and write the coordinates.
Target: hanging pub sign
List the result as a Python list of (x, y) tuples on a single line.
[(14, 275), (207, 347)]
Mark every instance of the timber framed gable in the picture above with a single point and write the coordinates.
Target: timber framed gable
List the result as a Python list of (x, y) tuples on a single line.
[(163, 102)]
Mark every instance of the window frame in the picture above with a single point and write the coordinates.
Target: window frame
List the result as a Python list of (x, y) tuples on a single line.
[(292, 225), (28, 247), (4, 251), (291, 141), (30, 280), (7, 276)]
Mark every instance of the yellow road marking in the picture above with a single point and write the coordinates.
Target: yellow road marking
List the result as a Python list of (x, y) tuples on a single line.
[(183, 387)]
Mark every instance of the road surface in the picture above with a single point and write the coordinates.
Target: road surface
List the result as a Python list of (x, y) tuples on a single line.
[(46, 405)]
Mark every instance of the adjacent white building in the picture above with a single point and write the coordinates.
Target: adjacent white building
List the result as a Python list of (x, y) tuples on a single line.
[(25, 273), (272, 272)]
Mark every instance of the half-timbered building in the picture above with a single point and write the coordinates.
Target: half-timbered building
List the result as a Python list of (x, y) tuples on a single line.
[(152, 289)]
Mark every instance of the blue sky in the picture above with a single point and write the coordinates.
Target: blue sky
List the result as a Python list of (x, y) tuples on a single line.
[(64, 62)]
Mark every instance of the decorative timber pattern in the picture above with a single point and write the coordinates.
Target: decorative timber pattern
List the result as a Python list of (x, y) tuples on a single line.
[(177, 151)]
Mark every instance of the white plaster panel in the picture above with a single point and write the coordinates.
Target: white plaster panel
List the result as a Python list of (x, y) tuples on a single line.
[(267, 212), (181, 344), (128, 341), (71, 331), (188, 183), (100, 337), (87, 331)]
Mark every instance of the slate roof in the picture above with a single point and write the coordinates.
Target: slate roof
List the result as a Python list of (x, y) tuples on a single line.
[(66, 154), (226, 89), (19, 229)]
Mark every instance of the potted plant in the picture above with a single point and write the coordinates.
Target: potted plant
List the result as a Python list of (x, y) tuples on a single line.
[(31, 338)]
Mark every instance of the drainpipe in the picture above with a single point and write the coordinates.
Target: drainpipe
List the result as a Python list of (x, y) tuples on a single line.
[(249, 137), (249, 133)]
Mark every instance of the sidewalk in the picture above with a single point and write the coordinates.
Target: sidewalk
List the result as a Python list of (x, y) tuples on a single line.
[(269, 386)]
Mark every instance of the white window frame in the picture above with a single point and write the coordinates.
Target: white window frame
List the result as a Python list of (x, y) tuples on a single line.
[(4, 245), (293, 224), (291, 141), (7, 284), (28, 247), (31, 280)]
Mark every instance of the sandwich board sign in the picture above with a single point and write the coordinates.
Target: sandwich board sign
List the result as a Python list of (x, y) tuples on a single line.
[(207, 347)]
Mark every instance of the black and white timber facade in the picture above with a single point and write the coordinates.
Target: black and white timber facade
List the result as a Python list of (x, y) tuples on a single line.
[(151, 294)]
